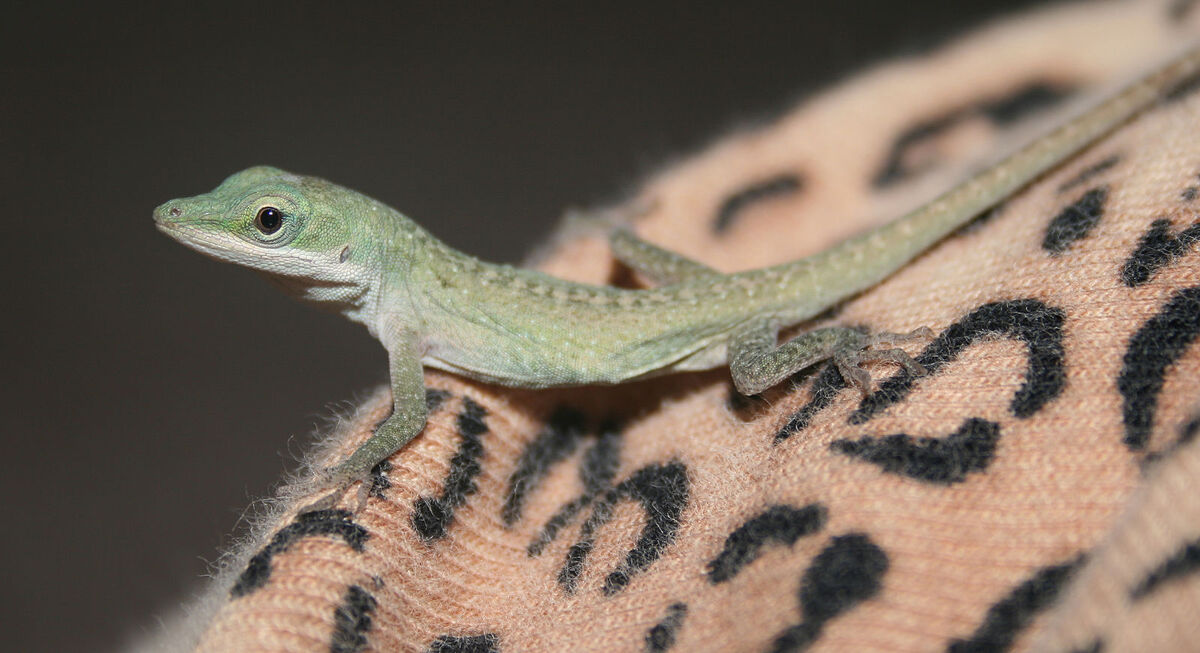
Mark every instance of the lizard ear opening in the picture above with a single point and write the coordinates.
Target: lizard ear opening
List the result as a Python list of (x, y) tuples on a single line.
[(345, 255)]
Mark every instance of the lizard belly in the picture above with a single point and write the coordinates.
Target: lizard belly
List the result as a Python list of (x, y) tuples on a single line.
[(509, 340), (523, 361)]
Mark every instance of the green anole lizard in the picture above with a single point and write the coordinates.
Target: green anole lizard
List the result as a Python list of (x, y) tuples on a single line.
[(430, 305)]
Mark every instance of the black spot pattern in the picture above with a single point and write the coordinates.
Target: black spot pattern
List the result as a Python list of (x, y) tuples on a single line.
[(1089, 172), (379, 480), (826, 386), (1150, 354), (1185, 561), (1156, 249), (378, 477), (1075, 221), (597, 471), (662, 491), (1033, 97), (933, 460), (782, 524), (432, 515), (1039, 325), (557, 441), (557, 521), (1179, 9), (784, 184), (434, 399), (1008, 616), (485, 643), (309, 524), (600, 462), (1001, 111), (1183, 89), (847, 572), (351, 621), (1029, 320), (662, 636)]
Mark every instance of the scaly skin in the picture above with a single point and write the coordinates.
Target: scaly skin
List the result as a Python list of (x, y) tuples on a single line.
[(430, 305)]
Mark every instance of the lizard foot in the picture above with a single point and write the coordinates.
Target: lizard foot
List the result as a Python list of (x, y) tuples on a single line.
[(340, 481), (848, 361)]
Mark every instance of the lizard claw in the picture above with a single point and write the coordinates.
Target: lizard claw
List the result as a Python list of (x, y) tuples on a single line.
[(888, 338), (337, 478), (326, 502), (848, 362)]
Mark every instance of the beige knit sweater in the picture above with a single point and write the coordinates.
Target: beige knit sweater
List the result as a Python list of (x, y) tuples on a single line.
[(1038, 490)]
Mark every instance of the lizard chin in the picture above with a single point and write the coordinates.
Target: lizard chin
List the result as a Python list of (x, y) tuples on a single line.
[(204, 242), (231, 249)]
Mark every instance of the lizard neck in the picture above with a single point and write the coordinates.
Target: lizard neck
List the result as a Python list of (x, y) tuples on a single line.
[(351, 290), (376, 249), (406, 255)]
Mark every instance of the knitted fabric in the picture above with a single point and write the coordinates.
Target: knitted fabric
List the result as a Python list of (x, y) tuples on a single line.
[(1035, 491)]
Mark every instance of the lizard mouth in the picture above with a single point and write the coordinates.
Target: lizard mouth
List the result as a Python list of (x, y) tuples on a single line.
[(179, 232), (174, 230), (166, 227), (205, 237), (197, 238)]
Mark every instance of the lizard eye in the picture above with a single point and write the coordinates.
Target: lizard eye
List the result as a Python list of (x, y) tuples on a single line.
[(268, 220)]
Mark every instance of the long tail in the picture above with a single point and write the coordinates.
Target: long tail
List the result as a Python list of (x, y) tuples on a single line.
[(861, 262)]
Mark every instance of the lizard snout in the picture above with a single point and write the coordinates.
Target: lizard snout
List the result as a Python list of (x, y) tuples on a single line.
[(167, 211), (169, 216)]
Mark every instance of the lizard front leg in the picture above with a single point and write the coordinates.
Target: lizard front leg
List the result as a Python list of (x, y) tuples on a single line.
[(408, 416), (757, 362)]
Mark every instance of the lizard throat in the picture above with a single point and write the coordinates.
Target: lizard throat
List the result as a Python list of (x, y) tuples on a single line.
[(354, 299)]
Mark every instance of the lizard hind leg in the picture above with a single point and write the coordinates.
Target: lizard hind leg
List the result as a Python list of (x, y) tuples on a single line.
[(758, 362), (660, 265)]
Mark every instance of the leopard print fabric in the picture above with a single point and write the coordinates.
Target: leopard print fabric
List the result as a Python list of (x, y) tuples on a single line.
[(1035, 491)]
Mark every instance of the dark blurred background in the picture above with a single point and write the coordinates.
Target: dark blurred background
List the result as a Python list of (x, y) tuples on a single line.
[(151, 393)]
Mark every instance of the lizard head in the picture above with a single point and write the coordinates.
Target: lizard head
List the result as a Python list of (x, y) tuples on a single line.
[(300, 231), (262, 218)]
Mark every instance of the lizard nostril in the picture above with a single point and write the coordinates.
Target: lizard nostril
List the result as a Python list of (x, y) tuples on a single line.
[(175, 211)]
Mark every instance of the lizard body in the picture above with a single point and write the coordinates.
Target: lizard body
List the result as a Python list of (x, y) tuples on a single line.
[(430, 305)]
